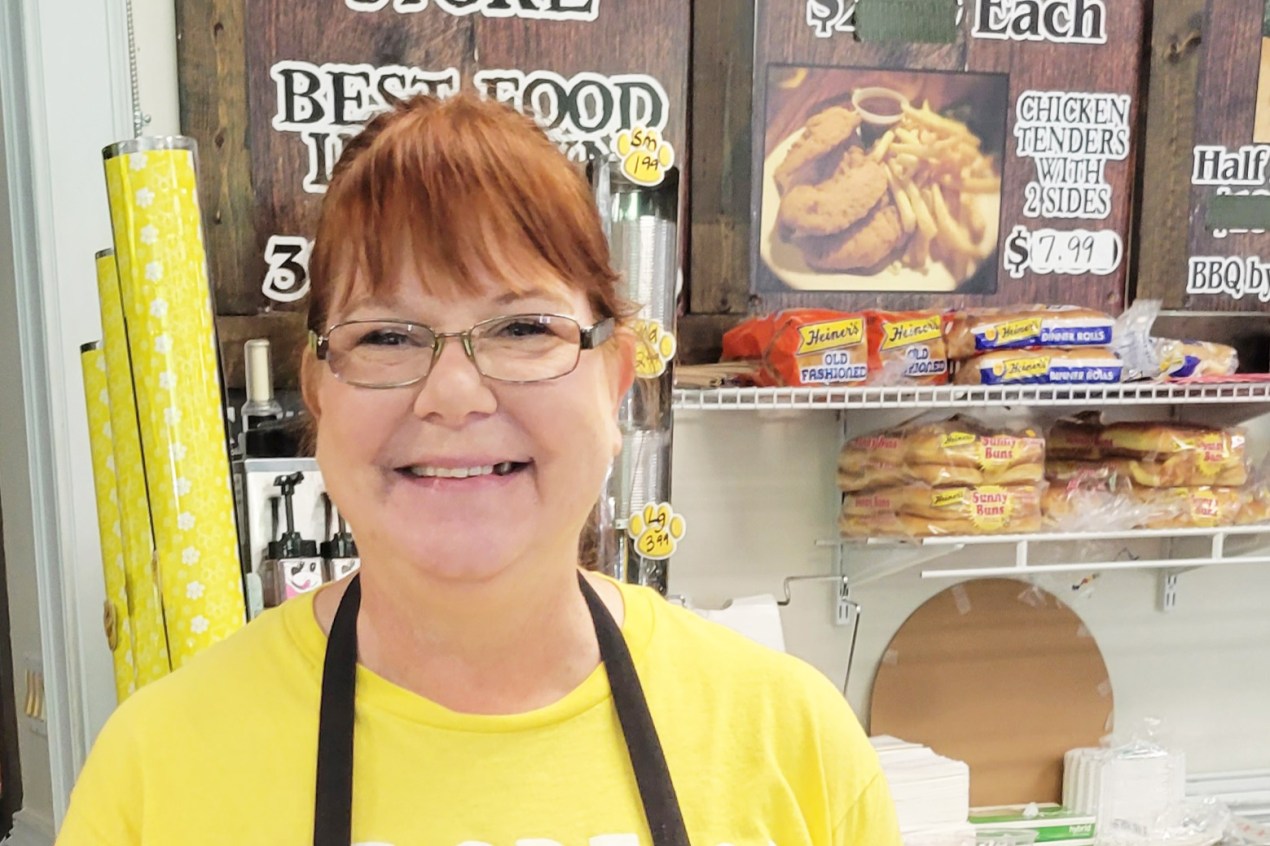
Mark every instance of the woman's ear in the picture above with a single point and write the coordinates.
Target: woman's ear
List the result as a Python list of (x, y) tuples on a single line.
[(622, 365), (309, 376)]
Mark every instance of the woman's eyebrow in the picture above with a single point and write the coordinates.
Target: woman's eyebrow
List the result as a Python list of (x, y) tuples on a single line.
[(535, 293)]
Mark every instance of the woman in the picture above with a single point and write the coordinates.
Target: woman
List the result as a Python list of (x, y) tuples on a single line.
[(473, 686)]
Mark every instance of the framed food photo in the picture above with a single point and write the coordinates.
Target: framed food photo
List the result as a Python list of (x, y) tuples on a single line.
[(881, 181), (933, 154)]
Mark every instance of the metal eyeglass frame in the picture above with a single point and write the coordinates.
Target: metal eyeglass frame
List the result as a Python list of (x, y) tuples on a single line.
[(589, 338)]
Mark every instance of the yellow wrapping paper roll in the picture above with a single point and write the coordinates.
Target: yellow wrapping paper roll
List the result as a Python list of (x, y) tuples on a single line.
[(145, 608), (118, 625), (152, 190)]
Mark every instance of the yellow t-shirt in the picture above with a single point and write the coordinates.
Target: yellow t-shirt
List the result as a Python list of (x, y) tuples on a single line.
[(761, 747)]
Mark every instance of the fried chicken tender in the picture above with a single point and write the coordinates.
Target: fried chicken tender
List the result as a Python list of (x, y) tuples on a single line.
[(864, 245), (839, 202), (824, 138)]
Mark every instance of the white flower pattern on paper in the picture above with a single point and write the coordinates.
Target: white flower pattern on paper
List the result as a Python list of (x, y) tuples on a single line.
[(145, 197), (194, 590), (178, 451), (171, 416), (185, 522), (190, 555), (110, 465), (166, 380), (163, 344), (137, 161), (158, 308), (101, 363), (149, 235), (183, 487), (154, 272), (199, 624), (104, 396)]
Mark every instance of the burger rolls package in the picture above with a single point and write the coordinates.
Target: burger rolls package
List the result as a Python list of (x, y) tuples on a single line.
[(1053, 366), (907, 348), (958, 451), (1211, 450), (922, 511), (975, 331), (802, 347)]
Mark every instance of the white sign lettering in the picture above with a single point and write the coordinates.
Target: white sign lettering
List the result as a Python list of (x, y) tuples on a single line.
[(1073, 252), (547, 10), (1071, 136), (1235, 276), (1058, 21)]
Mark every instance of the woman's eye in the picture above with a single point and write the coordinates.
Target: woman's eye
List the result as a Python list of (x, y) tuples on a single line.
[(385, 338), (523, 329)]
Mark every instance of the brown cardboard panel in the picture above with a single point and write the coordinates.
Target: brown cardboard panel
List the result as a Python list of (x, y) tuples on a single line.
[(313, 67), (1053, 108), (1001, 675)]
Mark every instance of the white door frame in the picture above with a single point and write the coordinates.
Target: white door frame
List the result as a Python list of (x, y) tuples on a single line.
[(64, 92)]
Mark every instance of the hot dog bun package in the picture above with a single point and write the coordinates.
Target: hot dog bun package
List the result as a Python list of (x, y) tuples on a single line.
[(1182, 454), (956, 476), (1053, 366), (957, 451), (919, 510), (973, 332), (802, 347)]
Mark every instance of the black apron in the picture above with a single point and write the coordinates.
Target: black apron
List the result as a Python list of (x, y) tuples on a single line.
[(333, 814)]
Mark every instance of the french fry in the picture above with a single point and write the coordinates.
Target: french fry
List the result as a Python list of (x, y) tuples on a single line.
[(883, 144), (908, 218), (925, 221), (949, 229)]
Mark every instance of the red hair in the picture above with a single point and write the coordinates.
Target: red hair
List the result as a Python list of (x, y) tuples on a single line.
[(466, 192)]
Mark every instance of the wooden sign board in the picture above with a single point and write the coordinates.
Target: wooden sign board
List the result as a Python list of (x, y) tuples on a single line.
[(1204, 179), (315, 70), (1012, 184)]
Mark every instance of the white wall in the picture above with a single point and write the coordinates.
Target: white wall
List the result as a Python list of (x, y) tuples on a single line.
[(758, 492)]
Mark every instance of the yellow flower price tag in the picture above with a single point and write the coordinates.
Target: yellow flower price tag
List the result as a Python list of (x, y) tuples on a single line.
[(656, 530), (654, 348), (645, 155)]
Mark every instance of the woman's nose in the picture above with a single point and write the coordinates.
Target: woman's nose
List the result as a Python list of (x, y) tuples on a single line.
[(454, 388)]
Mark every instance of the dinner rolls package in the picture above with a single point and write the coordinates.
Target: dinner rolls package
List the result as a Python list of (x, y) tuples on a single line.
[(973, 332), (1055, 366)]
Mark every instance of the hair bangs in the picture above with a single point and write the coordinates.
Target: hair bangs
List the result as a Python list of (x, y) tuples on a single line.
[(464, 196)]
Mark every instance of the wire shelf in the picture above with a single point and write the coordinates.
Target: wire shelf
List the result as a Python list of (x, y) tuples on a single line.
[(867, 560), (961, 396)]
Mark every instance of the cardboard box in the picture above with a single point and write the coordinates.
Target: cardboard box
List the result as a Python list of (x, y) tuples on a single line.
[(1021, 151)]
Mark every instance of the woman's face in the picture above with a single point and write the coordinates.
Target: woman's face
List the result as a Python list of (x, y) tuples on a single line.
[(379, 449)]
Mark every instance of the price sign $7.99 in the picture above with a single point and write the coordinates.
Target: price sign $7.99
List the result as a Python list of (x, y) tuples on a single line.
[(1069, 252)]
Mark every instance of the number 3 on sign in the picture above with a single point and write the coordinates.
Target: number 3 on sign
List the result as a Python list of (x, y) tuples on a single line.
[(656, 530), (645, 155)]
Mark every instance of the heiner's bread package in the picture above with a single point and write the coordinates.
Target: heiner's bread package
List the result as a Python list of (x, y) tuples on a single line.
[(1048, 366), (1157, 475), (976, 331), (957, 451), (1171, 454), (802, 347), (919, 510), (944, 477)]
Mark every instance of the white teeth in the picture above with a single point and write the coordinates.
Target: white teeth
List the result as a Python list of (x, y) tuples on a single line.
[(451, 472)]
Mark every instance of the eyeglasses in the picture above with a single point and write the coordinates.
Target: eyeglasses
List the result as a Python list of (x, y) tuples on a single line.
[(517, 348)]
